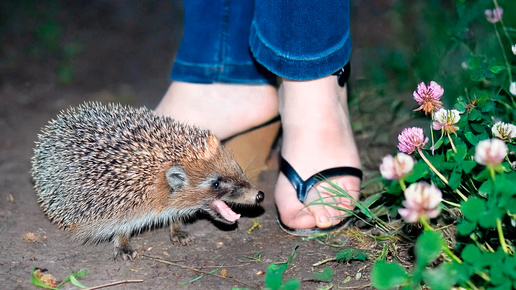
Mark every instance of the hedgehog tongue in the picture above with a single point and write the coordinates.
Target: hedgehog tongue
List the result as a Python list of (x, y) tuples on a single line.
[(224, 210)]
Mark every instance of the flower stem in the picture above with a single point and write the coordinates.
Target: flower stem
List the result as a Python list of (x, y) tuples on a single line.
[(424, 221), (402, 184), (500, 235), (492, 173), (439, 173), (451, 203), (451, 143), (432, 134), (432, 166)]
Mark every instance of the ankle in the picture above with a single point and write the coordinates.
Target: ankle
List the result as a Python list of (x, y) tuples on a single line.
[(225, 109)]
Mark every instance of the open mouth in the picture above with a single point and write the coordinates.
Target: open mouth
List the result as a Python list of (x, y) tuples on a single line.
[(222, 212)]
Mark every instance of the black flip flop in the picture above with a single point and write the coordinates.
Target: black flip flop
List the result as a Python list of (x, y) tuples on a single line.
[(302, 188)]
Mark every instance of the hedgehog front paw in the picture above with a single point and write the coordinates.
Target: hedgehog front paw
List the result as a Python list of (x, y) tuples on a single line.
[(123, 249), (178, 236), (125, 253)]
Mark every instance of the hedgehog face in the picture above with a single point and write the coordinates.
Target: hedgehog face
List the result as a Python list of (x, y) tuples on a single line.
[(208, 185)]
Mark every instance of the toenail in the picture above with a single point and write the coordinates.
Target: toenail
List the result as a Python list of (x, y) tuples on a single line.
[(324, 219)]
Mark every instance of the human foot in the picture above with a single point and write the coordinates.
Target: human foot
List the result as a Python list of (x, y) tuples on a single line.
[(225, 109), (316, 136)]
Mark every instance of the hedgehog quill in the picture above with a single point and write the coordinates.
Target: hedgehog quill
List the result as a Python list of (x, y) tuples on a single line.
[(106, 172)]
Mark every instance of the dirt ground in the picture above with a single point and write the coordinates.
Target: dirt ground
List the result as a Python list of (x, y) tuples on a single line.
[(126, 52)]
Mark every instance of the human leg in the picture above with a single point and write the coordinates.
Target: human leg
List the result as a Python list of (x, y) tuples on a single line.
[(316, 136), (216, 82), (304, 42)]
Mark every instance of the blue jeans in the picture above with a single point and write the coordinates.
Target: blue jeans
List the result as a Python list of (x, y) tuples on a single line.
[(252, 42)]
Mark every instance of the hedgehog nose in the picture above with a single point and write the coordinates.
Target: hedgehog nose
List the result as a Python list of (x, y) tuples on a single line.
[(260, 196)]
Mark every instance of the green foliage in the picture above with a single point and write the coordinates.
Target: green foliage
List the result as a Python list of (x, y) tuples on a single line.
[(350, 254), (274, 275), (72, 278), (472, 60), (325, 275), (388, 275)]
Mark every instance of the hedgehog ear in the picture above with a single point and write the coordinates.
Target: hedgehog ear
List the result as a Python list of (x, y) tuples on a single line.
[(176, 178)]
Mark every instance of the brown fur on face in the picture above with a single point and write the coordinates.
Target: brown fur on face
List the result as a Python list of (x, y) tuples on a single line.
[(219, 165)]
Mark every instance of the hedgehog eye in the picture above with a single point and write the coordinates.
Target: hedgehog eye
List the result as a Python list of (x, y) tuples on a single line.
[(216, 184)]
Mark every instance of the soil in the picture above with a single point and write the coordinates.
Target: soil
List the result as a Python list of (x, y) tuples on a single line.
[(124, 53)]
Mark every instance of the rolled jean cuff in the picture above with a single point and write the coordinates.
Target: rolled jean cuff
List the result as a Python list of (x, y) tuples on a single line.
[(303, 68), (224, 73)]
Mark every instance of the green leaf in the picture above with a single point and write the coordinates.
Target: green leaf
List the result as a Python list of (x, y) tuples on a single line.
[(465, 227), (476, 75), (496, 68), (511, 205), (36, 281), (75, 282), (274, 275), (462, 149), (455, 178), (79, 274), (292, 284), (349, 254), (497, 276), (489, 259), (419, 171), (441, 278), (474, 115), (488, 219), (370, 200), (325, 275), (471, 254), (428, 247), (394, 188), (473, 208), (483, 175), (468, 165), (472, 138), (505, 285), (388, 275), (463, 272), (439, 142), (486, 188)]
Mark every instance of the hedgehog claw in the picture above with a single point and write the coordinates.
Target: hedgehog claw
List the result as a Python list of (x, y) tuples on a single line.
[(126, 254), (123, 249), (178, 236)]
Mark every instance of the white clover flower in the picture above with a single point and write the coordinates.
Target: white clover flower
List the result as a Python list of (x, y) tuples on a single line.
[(512, 88), (504, 131), (396, 167), (513, 47), (445, 120), (490, 152), (421, 199)]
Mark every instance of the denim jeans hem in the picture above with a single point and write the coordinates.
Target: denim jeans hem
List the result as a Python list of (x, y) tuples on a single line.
[(224, 73), (297, 69)]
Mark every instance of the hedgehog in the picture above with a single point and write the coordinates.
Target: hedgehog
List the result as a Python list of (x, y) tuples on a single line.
[(107, 172)]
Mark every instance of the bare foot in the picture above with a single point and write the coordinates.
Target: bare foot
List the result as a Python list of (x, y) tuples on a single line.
[(316, 136), (225, 109)]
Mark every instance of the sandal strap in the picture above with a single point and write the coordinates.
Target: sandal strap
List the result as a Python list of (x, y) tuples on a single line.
[(302, 187), (343, 74)]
